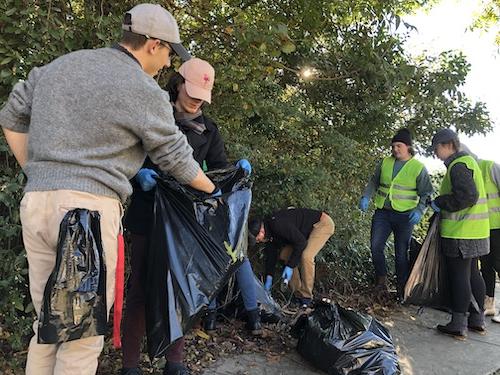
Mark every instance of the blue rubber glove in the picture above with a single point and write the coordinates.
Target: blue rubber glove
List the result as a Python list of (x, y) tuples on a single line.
[(269, 283), (217, 193), (435, 206), (146, 178), (245, 164), (363, 204), (415, 217), (287, 273)]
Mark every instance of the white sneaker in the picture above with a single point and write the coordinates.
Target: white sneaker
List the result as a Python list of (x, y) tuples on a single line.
[(489, 306), (496, 319)]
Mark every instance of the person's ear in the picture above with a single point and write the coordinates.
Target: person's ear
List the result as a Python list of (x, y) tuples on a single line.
[(152, 46)]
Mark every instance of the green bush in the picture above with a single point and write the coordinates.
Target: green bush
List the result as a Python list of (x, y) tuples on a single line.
[(312, 142)]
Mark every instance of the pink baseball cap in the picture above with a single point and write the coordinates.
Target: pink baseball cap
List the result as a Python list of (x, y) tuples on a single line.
[(199, 78)]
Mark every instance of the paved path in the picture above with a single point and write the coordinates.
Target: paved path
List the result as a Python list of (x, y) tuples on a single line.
[(422, 351)]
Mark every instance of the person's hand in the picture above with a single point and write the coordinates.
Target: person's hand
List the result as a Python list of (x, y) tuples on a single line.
[(415, 217), (217, 193), (146, 178), (287, 274), (435, 207), (269, 283), (245, 165), (363, 204)]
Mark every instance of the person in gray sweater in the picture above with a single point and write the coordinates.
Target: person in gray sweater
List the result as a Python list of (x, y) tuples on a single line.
[(81, 127)]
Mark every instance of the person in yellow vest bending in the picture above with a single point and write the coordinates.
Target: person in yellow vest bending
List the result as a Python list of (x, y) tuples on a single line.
[(490, 264), (402, 188), (464, 229)]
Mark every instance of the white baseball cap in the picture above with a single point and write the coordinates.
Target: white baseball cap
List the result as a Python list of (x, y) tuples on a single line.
[(154, 21)]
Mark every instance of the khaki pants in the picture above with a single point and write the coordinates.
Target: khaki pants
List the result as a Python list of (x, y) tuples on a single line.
[(41, 215), (302, 281)]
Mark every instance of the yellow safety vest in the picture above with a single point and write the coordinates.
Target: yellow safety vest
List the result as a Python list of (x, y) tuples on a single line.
[(402, 190), (492, 193), (472, 222)]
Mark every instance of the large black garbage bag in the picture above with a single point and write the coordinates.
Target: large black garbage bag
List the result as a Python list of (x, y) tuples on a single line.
[(196, 244), (74, 299), (345, 342), (427, 284)]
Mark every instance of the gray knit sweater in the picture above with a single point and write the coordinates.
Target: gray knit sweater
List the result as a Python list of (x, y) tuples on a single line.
[(92, 115)]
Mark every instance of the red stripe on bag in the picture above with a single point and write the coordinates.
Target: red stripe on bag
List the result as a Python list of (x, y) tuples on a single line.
[(119, 281)]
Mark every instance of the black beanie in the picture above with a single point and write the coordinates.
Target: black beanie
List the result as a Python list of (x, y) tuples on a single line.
[(403, 135)]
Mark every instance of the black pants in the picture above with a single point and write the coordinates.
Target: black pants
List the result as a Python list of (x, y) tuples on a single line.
[(465, 282), (490, 264)]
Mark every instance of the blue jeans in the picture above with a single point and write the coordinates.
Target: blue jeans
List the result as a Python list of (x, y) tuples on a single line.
[(246, 283), (383, 223)]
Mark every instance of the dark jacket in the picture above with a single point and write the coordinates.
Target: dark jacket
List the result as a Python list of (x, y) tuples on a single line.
[(463, 194), (290, 226), (208, 147)]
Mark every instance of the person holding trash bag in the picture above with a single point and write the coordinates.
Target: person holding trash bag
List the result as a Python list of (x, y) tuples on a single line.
[(189, 89), (464, 231), (295, 235), (402, 188), (490, 264), (80, 127)]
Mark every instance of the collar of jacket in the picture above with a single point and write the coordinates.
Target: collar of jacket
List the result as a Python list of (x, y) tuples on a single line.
[(456, 155), (120, 48)]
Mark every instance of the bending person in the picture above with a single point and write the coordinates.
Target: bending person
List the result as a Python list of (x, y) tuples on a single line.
[(296, 236)]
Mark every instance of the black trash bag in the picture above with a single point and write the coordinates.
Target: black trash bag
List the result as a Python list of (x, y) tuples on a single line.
[(415, 247), (427, 284), (345, 342), (231, 302), (74, 299), (196, 244)]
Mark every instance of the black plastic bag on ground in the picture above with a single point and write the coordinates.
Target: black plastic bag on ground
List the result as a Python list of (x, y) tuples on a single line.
[(427, 284), (345, 342), (74, 299), (196, 244)]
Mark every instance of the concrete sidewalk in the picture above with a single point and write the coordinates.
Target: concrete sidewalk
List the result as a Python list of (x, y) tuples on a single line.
[(422, 351)]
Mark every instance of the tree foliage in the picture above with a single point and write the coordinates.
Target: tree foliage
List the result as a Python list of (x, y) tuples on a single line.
[(489, 18), (312, 140)]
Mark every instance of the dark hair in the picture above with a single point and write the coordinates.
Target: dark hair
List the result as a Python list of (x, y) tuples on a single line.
[(454, 142), (133, 40), (173, 84), (254, 226)]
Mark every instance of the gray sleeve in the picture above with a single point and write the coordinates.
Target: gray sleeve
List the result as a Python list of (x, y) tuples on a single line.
[(373, 183), (16, 113), (424, 190), (495, 174), (164, 142)]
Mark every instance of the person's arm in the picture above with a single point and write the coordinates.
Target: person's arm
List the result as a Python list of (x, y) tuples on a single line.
[(271, 253), (464, 192), (374, 182), (203, 183), (424, 190), (293, 237), (15, 116), (18, 143), (495, 175)]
